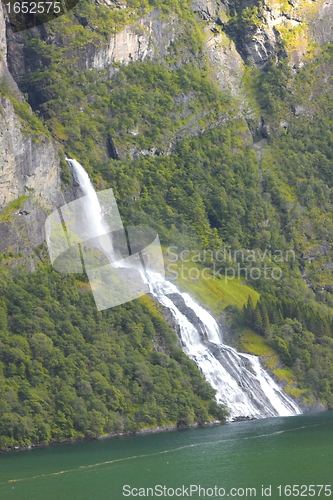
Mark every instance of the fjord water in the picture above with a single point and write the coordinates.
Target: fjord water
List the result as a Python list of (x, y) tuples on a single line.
[(274, 451), (239, 379)]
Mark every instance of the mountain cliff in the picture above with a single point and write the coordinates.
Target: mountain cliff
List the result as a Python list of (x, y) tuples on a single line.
[(30, 167), (211, 121)]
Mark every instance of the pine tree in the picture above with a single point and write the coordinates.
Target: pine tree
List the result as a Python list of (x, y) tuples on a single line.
[(257, 320), (250, 312), (264, 320), (3, 315)]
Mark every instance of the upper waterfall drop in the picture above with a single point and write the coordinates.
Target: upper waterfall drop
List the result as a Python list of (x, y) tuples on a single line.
[(239, 379), (92, 208), (88, 190)]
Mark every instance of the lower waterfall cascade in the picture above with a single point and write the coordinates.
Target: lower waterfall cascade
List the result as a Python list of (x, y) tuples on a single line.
[(239, 379), (242, 384)]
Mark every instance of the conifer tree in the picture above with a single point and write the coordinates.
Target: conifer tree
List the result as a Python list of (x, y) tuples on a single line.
[(250, 312), (257, 320)]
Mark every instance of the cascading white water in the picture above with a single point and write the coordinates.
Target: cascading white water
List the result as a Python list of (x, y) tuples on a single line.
[(93, 207), (93, 218), (239, 379)]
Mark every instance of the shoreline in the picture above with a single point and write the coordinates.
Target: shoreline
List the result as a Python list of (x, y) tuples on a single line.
[(140, 432)]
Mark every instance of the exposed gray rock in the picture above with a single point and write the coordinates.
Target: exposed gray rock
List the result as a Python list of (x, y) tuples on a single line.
[(28, 164), (4, 72), (145, 39), (322, 22), (257, 43), (189, 313), (17, 63), (259, 46), (328, 266), (207, 9), (300, 110), (317, 250), (29, 169), (22, 232), (226, 63)]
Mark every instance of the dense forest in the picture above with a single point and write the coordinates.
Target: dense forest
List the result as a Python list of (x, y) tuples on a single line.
[(67, 370), (303, 343)]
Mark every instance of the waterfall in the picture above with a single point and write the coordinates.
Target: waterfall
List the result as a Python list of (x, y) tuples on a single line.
[(93, 223), (239, 379), (93, 209)]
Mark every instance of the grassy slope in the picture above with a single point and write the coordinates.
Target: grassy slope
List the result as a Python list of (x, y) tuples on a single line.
[(213, 293)]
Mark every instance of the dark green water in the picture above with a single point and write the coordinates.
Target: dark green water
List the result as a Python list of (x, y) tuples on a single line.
[(276, 451)]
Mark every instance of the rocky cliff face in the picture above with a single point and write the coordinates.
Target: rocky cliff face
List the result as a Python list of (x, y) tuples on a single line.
[(4, 72), (259, 30), (146, 39), (235, 33), (30, 182), (29, 164)]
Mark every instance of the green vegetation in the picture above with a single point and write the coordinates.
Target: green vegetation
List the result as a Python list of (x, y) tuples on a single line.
[(249, 341), (246, 19), (197, 278), (146, 106), (300, 334), (179, 159), (14, 205), (33, 125), (69, 371), (269, 88)]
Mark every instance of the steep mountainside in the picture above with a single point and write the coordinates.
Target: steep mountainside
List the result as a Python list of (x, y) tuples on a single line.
[(211, 121), (30, 168)]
